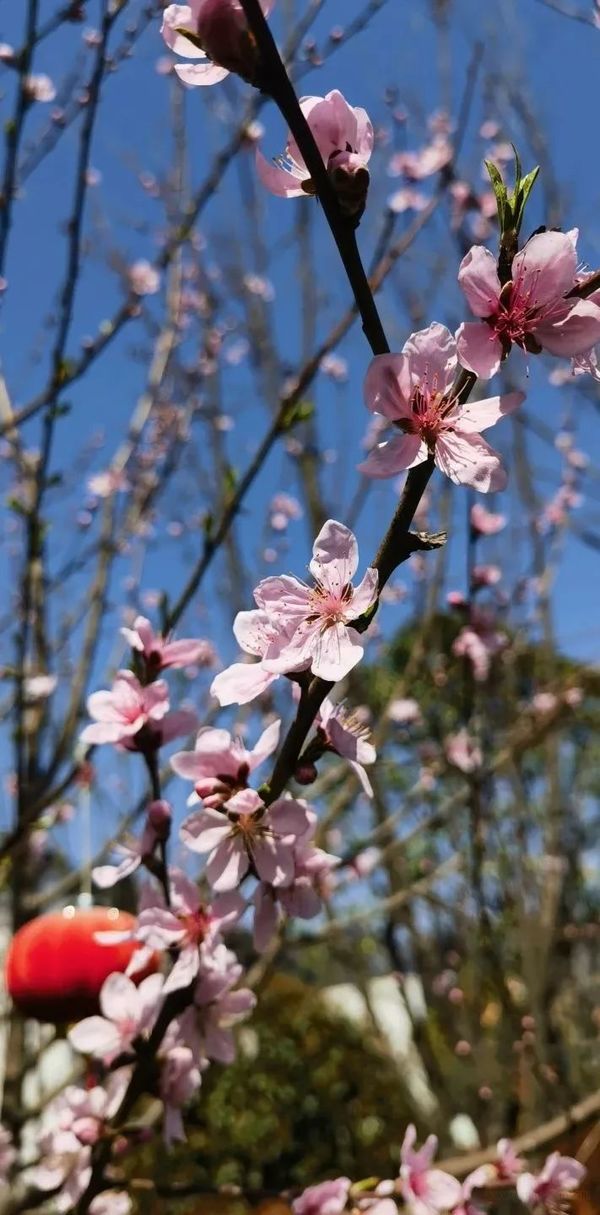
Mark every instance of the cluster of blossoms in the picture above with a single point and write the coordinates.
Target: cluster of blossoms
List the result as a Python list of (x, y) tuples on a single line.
[(134, 715), (422, 1189)]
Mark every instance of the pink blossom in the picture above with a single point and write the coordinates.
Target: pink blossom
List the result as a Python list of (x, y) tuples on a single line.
[(301, 899), (486, 575), (39, 687), (160, 652), (463, 751), (180, 1079), (133, 716), (477, 1180), (407, 199), (485, 522), (508, 1163), (39, 88), (72, 1123), (328, 1198), (414, 391), (560, 1175), (243, 681), (143, 278), (425, 1190), (128, 1012), (344, 136), (422, 163), (214, 32), (246, 835), (105, 484), (404, 711), (479, 642), (531, 311), (207, 1025), (220, 766), (344, 734), (189, 925), (311, 625)]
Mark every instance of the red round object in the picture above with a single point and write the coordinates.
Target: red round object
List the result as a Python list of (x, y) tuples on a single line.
[(55, 968)]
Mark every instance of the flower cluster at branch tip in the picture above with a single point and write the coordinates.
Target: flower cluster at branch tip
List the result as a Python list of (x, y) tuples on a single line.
[(534, 310), (344, 136), (215, 31), (415, 392)]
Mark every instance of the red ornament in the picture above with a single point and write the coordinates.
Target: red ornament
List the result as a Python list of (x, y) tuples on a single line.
[(55, 968)]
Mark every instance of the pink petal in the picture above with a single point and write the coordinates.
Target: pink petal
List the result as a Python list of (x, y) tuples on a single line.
[(576, 334), (335, 556), (337, 651), (282, 598), (184, 971), (266, 745), (159, 928), (102, 706), (204, 830), (251, 632), (180, 16), (149, 998), (189, 765), (431, 354), (364, 595), (398, 454), (478, 277), (182, 653), (443, 1191), (194, 74), (545, 268), (105, 876), (479, 350), (282, 182), (241, 683), (96, 1036), (388, 386), (289, 817), (274, 860), (476, 416), (468, 460), (227, 865), (118, 998), (102, 732)]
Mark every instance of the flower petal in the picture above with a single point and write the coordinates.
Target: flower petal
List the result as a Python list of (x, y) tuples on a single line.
[(398, 454), (468, 460), (478, 277), (479, 350), (194, 74)]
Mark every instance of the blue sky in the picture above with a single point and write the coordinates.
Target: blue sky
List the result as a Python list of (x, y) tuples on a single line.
[(552, 61)]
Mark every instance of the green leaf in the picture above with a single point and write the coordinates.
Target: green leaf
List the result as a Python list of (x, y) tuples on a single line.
[(525, 188), (501, 193)]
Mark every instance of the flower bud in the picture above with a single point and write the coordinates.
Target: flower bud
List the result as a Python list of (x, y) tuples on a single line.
[(223, 33), (305, 773), (159, 817)]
